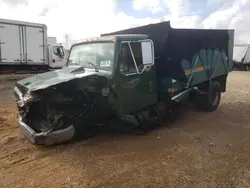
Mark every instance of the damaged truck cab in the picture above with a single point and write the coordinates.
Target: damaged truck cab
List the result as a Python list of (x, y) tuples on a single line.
[(137, 76), (101, 80)]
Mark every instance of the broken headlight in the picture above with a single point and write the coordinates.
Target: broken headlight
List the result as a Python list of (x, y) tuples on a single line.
[(21, 100)]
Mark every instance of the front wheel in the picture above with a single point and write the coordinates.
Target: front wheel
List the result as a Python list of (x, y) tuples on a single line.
[(209, 102)]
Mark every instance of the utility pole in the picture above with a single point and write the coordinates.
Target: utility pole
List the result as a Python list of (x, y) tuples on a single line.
[(67, 39)]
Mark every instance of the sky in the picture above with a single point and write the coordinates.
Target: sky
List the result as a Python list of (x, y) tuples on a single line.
[(89, 18)]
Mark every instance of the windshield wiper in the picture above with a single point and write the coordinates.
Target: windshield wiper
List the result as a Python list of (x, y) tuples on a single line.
[(93, 65)]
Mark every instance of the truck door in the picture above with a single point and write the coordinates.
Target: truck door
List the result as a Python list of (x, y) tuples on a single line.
[(10, 44), (57, 59), (137, 79), (35, 45)]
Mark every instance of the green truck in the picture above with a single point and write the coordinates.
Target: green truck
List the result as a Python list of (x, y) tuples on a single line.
[(138, 77)]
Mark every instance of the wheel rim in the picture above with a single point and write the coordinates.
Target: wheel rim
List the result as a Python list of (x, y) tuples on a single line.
[(215, 98)]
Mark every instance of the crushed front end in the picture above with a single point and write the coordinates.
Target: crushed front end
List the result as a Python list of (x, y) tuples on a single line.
[(40, 122), (51, 115)]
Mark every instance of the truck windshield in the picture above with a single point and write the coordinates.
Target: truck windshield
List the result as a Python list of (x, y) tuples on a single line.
[(97, 56)]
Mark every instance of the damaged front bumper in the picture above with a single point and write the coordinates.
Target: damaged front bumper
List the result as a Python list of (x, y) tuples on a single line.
[(46, 138), (41, 138)]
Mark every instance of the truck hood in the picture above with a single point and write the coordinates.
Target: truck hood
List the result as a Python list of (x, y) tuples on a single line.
[(44, 80)]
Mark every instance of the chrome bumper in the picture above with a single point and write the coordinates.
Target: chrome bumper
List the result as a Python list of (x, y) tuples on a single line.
[(51, 138)]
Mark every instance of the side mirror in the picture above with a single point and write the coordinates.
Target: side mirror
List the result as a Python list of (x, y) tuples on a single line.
[(58, 51), (147, 48), (61, 52)]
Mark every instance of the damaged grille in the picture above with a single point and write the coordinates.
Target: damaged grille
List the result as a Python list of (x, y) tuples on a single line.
[(60, 106)]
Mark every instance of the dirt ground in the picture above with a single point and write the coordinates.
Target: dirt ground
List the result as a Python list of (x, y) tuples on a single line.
[(198, 150)]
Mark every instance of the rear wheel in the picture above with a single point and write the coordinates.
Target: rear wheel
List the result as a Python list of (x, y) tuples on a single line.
[(209, 102)]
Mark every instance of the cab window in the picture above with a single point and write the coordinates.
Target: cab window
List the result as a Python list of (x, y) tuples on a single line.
[(58, 50), (127, 63)]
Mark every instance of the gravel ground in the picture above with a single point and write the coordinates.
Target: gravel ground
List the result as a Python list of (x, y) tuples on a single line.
[(198, 150)]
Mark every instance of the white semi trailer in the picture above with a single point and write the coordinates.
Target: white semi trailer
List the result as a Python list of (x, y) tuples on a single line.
[(241, 56), (26, 45)]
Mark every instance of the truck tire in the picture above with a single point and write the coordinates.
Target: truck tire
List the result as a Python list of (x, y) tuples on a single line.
[(173, 112), (209, 102)]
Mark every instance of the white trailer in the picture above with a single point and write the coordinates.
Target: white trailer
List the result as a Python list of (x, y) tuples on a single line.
[(241, 56), (24, 44), (51, 40)]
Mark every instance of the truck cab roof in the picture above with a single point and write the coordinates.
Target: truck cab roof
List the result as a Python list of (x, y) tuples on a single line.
[(130, 36), (17, 22), (114, 37)]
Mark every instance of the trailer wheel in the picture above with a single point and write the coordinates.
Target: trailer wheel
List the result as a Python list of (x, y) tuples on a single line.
[(209, 102)]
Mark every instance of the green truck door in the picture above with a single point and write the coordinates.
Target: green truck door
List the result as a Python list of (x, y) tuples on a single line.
[(135, 90)]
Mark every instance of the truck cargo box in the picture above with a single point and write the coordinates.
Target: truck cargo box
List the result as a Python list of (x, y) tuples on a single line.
[(22, 43), (51, 40), (173, 46)]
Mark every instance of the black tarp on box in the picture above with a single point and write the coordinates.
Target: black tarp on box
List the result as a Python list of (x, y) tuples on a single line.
[(173, 45)]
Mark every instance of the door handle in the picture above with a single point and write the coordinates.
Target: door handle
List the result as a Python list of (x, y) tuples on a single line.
[(150, 86), (131, 81)]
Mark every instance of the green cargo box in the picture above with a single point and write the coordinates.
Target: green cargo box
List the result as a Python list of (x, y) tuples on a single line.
[(187, 56)]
